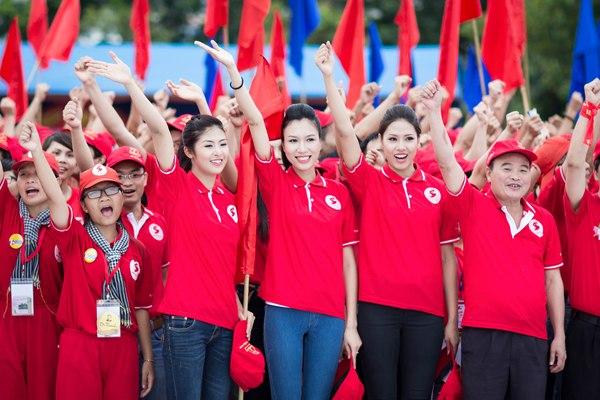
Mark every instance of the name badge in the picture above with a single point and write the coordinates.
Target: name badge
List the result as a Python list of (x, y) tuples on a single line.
[(21, 293), (108, 319)]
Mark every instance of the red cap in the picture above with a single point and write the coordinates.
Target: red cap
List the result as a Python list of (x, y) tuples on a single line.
[(93, 176), (551, 151), (125, 153), (99, 141), (508, 146), (180, 122), (325, 119), (247, 363), (349, 386), (27, 159)]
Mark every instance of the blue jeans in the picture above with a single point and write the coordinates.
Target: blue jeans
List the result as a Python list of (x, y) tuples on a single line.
[(302, 350), (158, 391), (196, 359)]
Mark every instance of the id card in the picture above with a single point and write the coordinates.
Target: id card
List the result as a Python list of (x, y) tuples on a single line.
[(21, 293), (108, 319)]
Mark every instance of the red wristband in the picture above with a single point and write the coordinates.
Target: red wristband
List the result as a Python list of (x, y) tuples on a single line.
[(588, 111)]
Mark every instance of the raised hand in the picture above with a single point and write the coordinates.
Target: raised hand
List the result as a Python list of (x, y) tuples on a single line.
[(592, 91), (514, 121), (161, 99), (117, 72), (236, 117), (324, 59), (218, 53), (402, 84), (8, 107), (186, 90), (72, 114), (496, 88), (41, 91), (82, 72), (574, 104), (29, 138), (368, 92), (431, 95), (375, 158)]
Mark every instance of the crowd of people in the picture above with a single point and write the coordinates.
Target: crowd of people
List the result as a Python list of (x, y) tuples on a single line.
[(396, 234)]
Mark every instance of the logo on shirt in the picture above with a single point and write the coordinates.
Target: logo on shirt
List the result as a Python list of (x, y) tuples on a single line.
[(536, 228), (90, 255), (15, 241), (57, 255), (333, 202), (232, 212), (134, 268), (156, 232), (99, 170), (433, 195)]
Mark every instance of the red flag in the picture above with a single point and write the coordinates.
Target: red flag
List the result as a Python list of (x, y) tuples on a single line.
[(37, 25), (268, 99), (11, 68), (449, 38), (215, 17), (140, 26), (469, 9), (504, 40), (251, 36), (349, 44), (62, 35), (278, 56), (217, 91), (408, 35)]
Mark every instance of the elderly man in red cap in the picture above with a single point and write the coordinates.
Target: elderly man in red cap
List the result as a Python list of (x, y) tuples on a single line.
[(511, 270)]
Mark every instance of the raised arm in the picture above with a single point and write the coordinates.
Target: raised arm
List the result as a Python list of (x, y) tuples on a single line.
[(431, 97), (30, 140), (479, 145), (9, 111), (72, 115), (119, 72), (255, 120), (347, 142), (575, 162), (189, 91)]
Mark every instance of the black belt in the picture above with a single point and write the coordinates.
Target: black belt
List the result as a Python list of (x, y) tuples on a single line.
[(585, 317)]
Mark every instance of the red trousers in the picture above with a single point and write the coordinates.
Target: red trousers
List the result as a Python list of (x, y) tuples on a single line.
[(28, 353), (90, 368)]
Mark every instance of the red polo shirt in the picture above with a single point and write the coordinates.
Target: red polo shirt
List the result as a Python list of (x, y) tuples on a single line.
[(583, 228), (151, 230), (403, 223), (50, 269), (84, 278), (75, 203), (309, 224), (203, 239), (504, 264)]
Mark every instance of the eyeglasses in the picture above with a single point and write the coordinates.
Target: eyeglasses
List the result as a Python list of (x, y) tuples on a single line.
[(97, 193), (134, 176)]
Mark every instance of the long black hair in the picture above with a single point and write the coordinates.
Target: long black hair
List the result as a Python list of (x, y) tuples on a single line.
[(396, 112), (297, 112), (192, 132)]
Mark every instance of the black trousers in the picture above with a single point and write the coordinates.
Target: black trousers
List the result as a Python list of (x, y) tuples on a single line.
[(399, 353), (498, 365), (581, 378)]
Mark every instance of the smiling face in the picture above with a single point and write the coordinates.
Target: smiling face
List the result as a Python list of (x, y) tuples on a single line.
[(104, 210), (67, 164), (510, 177), (133, 181), (301, 144), (210, 152), (29, 186), (399, 144)]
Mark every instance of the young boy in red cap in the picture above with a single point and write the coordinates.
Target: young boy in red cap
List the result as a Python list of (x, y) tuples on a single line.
[(582, 211), (30, 283), (511, 271), (107, 290)]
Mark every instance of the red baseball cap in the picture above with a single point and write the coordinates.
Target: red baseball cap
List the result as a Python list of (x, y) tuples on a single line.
[(247, 363), (325, 119), (347, 383), (180, 122), (125, 153), (27, 159), (99, 141), (551, 151), (95, 175), (508, 146)]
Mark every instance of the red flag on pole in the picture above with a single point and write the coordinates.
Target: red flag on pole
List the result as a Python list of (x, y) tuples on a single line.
[(217, 91), (469, 9), (504, 40), (140, 26), (449, 38), (215, 16), (268, 99), (349, 44), (278, 56), (408, 35), (11, 68), (62, 34), (251, 36), (37, 25)]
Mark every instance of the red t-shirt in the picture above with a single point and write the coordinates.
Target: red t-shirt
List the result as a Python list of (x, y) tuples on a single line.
[(83, 282), (309, 224), (504, 264), (151, 231), (75, 203), (50, 269), (403, 223), (203, 240), (583, 227), (152, 190)]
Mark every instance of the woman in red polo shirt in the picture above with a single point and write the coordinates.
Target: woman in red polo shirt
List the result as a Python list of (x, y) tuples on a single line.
[(310, 277), (107, 290), (406, 258)]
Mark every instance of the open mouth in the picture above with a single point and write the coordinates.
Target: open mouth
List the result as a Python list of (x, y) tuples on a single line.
[(128, 192), (217, 162), (400, 157), (514, 186), (303, 159), (106, 211), (31, 192)]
